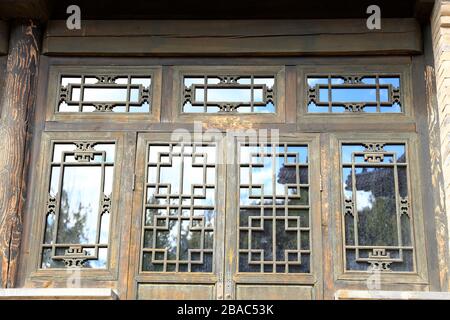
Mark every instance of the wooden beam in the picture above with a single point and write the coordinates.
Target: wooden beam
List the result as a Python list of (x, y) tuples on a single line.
[(3, 38), (233, 38), (17, 105), (14, 9), (423, 9)]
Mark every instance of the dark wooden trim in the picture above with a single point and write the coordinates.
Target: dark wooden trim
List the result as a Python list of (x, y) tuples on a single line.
[(17, 104), (24, 9), (233, 38), (3, 38)]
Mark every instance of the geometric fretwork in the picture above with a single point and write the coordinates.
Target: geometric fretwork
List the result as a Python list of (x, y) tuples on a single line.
[(351, 93), (104, 93), (376, 208), (78, 205), (180, 208), (228, 93), (274, 211)]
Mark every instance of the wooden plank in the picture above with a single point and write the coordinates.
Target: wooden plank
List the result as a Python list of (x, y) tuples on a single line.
[(3, 38), (17, 110), (250, 292), (237, 37), (13, 9), (390, 295), (175, 292), (58, 294)]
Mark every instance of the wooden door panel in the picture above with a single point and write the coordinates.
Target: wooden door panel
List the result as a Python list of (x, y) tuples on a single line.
[(272, 292), (176, 292), (273, 220)]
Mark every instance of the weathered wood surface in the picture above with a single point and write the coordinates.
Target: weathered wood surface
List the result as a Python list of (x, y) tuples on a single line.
[(15, 9), (17, 105), (238, 37), (3, 38)]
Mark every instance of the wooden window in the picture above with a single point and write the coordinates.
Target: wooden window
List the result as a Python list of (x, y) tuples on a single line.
[(100, 93), (215, 92), (336, 196), (350, 92), (104, 93), (274, 212), (77, 219), (229, 93), (363, 93), (377, 214), (180, 208)]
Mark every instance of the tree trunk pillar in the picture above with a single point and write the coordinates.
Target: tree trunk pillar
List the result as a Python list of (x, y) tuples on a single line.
[(17, 106)]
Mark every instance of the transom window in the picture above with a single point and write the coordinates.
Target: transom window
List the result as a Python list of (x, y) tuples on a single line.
[(229, 93), (105, 93), (354, 93)]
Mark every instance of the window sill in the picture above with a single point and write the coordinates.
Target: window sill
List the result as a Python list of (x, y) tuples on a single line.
[(58, 294)]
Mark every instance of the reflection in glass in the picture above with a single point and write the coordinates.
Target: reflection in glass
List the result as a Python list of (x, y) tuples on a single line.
[(180, 209), (274, 215), (79, 205)]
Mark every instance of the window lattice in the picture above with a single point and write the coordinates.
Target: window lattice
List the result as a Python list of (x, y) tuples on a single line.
[(180, 208), (78, 210), (104, 93), (229, 93), (372, 94), (274, 211), (377, 214)]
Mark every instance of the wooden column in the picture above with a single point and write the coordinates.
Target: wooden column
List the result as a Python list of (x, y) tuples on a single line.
[(16, 105)]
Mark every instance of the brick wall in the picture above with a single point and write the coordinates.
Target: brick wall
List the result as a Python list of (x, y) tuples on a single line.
[(441, 42)]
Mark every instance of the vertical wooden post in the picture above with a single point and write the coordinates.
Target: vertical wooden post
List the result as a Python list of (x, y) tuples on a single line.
[(16, 105)]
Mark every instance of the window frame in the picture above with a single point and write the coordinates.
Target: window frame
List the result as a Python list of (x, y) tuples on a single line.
[(36, 272), (57, 71), (420, 276), (292, 125), (278, 72), (401, 66)]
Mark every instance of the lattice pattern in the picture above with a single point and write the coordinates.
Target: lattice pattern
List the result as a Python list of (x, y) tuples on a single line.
[(79, 205), (104, 93), (377, 215), (274, 215), (180, 208), (229, 93), (365, 93)]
